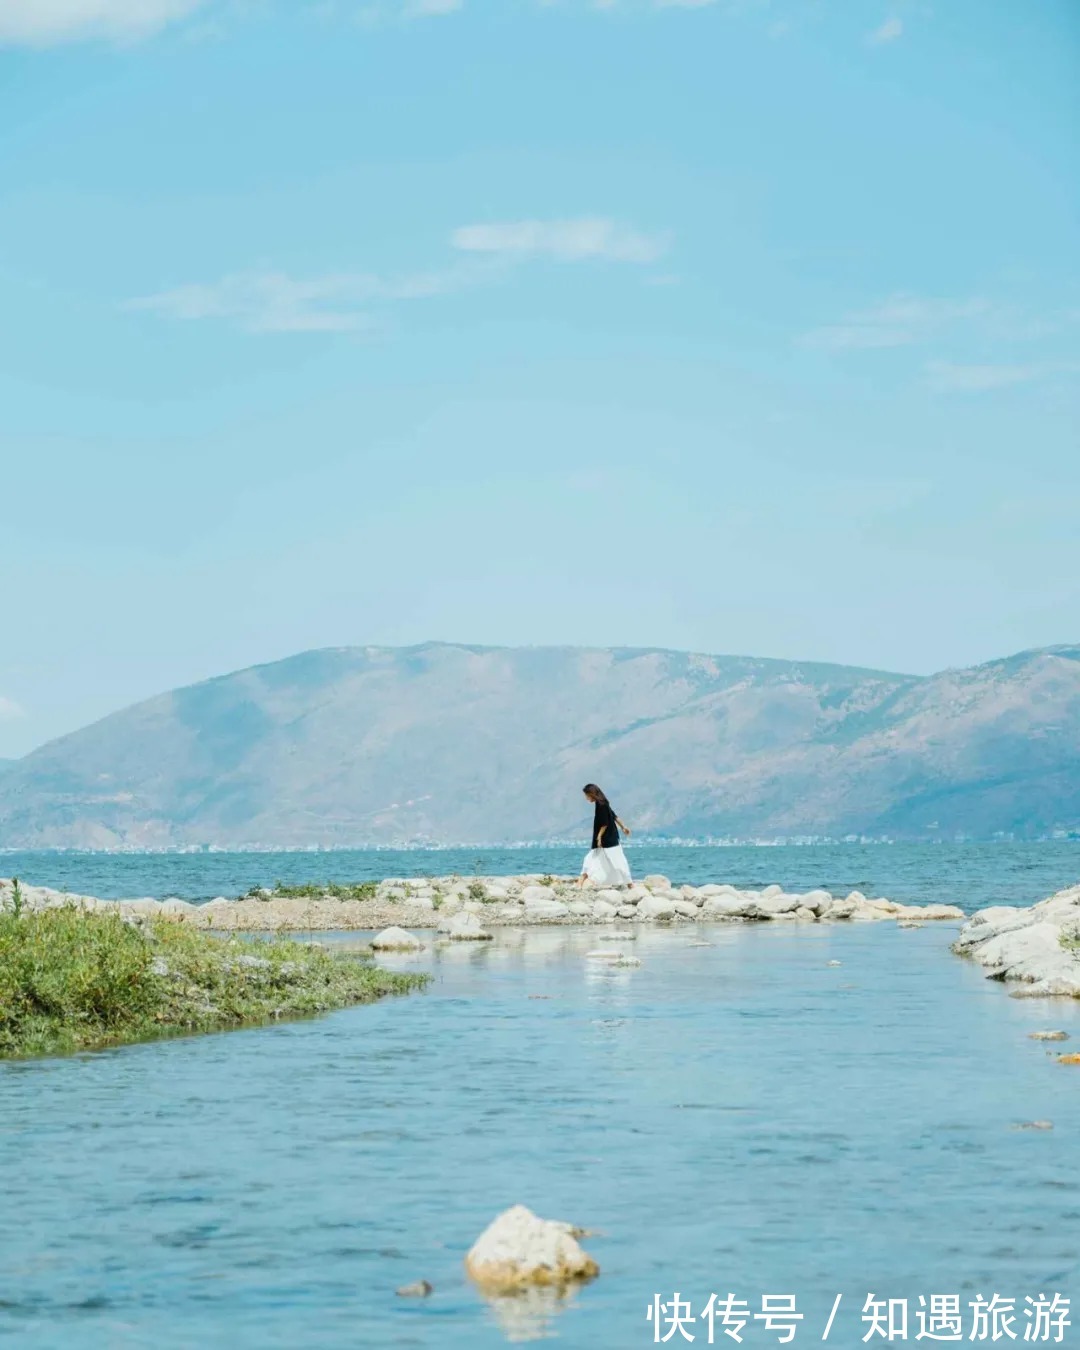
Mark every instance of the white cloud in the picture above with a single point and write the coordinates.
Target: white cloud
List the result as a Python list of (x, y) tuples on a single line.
[(10, 711), (563, 240), (46, 23), (274, 302), (889, 31), (951, 377), (897, 322)]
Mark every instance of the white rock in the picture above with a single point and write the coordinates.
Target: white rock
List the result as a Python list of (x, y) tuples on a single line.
[(552, 909), (937, 912), (626, 912), (655, 907), (839, 909), (816, 900), (396, 940), (603, 909), (686, 908), (580, 909), (175, 906), (466, 928), (537, 895), (771, 904), (724, 906), (148, 907), (1006, 950), (518, 1250), (656, 882)]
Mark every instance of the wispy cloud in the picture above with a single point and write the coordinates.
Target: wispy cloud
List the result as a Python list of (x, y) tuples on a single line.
[(952, 377), (897, 322), (890, 31), (271, 301), (10, 711), (561, 240), (47, 23), (275, 302)]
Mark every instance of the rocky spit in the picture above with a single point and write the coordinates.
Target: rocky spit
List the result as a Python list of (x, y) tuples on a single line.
[(467, 907), (1030, 947)]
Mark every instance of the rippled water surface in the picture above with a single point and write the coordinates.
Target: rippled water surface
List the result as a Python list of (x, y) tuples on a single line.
[(738, 1117), (969, 875)]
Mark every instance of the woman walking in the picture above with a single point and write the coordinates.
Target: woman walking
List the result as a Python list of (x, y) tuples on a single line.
[(605, 863)]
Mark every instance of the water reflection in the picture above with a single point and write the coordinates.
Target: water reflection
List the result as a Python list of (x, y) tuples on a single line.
[(530, 1315)]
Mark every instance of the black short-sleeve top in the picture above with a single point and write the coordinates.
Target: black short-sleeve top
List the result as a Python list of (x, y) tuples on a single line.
[(604, 826)]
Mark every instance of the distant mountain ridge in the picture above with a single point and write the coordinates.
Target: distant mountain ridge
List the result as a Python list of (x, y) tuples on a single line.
[(444, 743)]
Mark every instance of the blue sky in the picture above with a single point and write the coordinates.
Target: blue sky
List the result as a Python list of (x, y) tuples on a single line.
[(739, 327)]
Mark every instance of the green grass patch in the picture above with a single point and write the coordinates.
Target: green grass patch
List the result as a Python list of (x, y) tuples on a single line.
[(317, 890), (73, 980)]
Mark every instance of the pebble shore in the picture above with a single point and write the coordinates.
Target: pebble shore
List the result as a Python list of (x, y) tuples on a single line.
[(460, 905)]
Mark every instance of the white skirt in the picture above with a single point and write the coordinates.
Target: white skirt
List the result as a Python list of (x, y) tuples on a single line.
[(607, 867)]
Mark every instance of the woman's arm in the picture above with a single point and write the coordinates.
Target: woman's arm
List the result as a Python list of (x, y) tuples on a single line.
[(625, 828)]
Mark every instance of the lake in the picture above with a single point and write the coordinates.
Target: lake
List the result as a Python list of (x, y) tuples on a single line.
[(968, 875), (735, 1118)]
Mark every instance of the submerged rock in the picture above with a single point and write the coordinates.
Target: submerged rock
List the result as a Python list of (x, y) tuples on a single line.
[(396, 940), (1048, 1035), (418, 1289), (465, 927), (518, 1250)]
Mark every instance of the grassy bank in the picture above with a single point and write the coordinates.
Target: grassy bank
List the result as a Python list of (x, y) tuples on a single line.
[(312, 890), (73, 980)]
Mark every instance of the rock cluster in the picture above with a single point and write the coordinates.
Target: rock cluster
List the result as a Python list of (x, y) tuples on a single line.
[(464, 908), (517, 1251), (1028, 946)]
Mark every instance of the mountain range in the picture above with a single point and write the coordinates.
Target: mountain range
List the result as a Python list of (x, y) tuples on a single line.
[(445, 743)]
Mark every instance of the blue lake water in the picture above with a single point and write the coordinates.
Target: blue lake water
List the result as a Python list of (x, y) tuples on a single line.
[(734, 1118), (969, 875)]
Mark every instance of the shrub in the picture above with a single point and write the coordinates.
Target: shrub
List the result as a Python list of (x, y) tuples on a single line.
[(75, 980)]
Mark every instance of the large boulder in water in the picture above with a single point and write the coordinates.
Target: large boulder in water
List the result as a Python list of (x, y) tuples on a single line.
[(396, 940), (518, 1250)]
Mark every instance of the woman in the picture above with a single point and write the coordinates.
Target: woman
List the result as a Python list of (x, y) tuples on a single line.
[(606, 862)]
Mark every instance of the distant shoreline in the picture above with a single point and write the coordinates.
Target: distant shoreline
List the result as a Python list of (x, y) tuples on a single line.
[(644, 841)]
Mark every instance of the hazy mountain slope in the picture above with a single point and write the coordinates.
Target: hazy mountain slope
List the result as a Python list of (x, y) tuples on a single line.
[(483, 744)]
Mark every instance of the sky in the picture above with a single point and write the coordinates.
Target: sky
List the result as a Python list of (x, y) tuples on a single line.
[(749, 326)]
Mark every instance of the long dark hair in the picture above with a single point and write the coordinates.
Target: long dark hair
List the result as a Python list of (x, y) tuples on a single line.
[(591, 790)]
